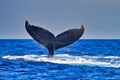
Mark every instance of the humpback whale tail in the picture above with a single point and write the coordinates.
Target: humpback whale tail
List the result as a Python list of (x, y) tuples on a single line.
[(51, 42)]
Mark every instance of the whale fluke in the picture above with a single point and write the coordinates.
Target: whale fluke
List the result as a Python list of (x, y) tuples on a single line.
[(51, 42)]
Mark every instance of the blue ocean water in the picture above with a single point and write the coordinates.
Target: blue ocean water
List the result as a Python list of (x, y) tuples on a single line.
[(86, 59)]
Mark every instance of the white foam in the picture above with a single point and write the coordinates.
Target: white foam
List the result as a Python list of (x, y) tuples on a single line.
[(109, 61)]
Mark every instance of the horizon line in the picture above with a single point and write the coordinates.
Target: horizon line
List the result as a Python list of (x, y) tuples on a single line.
[(79, 39)]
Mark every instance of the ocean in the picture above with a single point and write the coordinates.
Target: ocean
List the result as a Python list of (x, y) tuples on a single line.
[(85, 59)]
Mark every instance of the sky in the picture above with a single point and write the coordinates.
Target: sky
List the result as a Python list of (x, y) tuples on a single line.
[(101, 18)]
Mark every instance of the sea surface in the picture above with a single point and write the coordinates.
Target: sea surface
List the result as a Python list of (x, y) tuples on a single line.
[(86, 59)]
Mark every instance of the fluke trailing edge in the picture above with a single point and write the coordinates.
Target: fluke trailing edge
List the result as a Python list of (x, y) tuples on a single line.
[(51, 42)]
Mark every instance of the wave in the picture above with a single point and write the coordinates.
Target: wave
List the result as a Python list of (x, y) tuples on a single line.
[(107, 61)]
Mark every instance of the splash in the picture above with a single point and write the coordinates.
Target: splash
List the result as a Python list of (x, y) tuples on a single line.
[(107, 61)]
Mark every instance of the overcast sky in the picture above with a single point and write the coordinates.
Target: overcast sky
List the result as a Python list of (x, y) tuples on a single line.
[(101, 18)]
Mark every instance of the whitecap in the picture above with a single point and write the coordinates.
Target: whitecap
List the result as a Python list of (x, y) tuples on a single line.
[(106, 61)]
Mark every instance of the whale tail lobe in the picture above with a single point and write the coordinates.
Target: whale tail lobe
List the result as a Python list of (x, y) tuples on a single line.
[(51, 42)]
